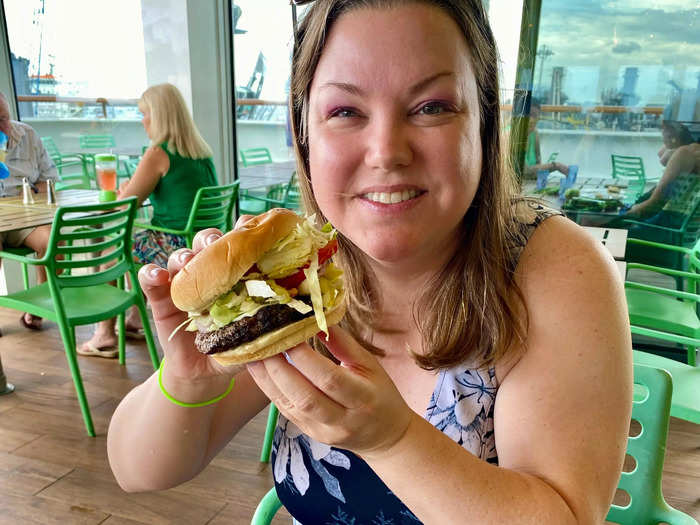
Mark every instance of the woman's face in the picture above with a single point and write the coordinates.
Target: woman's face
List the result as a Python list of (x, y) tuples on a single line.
[(146, 120), (394, 145)]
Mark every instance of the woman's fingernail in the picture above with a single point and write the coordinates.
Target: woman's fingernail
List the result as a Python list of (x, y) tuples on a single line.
[(212, 237), (153, 272), (184, 255)]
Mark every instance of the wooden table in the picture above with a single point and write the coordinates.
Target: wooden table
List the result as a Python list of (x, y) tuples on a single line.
[(614, 239), (14, 215)]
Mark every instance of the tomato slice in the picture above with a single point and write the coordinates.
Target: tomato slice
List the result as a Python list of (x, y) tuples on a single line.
[(294, 280)]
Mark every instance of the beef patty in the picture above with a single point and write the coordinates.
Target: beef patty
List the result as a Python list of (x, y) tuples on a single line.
[(247, 329)]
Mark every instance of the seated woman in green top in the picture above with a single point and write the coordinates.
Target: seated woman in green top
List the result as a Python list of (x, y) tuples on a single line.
[(172, 169), (533, 159)]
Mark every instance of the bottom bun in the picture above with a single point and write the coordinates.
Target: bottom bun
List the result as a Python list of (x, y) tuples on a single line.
[(280, 340)]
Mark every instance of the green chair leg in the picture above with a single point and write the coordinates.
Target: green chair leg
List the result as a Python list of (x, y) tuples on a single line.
[(269, 433), (68, 336), (692, 352), (267, 508), (147, 332), (25, 276)]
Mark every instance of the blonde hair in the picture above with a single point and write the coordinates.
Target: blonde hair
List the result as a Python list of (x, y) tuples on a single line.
[(171, 122), (472, 308)]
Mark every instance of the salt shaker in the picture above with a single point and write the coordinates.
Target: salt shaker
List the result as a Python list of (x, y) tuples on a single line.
[(27, 197), (50, 191)]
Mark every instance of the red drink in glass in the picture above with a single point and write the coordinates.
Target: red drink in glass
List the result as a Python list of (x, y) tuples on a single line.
[(107, 179)]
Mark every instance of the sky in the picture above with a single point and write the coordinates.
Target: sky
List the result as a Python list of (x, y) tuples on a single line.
[(98, 45), (599, 39)]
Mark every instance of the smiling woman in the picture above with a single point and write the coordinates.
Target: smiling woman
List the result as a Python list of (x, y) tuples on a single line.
[(485, 335)]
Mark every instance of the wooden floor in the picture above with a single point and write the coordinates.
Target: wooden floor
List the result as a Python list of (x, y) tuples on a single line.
[(51, 472)]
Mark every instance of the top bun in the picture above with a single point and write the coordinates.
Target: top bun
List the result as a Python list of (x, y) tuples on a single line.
[(214, 270)]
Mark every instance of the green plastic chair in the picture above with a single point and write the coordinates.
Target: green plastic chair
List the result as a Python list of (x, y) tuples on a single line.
[(672, 314), (685, 235), (278, 196), (104, 143), (272, 415), (212, 208), (267, 508), (685, 400), (71, 300), (255, 156), (76, 180), (631, 170), (651, 406)]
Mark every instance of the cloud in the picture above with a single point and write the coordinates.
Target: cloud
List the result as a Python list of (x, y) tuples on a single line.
[(626, 48)]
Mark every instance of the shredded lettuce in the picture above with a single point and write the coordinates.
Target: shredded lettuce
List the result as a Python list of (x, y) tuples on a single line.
[(316, 298), (293, 251)]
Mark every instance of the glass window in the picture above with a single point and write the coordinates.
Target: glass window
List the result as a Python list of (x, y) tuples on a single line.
[(615, 109), (80, 66), (263, 45), (615, 126)]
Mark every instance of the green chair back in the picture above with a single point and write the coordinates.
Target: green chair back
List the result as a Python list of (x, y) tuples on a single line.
[(50, 147), (278, 196), (685, 399), (212, 208), (628, 166), (631, 169), (103, 141), (75, 179), (651, 407), (255, 156), (94, 237)]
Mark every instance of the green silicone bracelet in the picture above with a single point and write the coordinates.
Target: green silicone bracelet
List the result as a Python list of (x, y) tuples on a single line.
[(189, 405)]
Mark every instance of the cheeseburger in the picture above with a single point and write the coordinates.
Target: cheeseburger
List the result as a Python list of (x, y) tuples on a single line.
[(262, 288)]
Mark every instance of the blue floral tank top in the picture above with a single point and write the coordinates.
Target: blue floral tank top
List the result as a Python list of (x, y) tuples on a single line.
[(324, 485)]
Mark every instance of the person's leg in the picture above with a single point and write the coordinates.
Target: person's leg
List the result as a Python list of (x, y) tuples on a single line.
[(36, 239)]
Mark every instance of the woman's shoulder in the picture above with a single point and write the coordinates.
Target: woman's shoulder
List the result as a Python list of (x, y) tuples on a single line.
[(156, 159)]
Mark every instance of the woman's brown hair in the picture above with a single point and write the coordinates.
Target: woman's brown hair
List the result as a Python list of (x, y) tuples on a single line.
[(470, 308)]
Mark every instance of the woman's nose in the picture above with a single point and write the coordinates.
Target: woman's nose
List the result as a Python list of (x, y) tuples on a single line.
[(388, 146)]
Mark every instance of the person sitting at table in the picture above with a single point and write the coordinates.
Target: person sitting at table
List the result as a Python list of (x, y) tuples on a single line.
[(26, 157), (674, 197), (172, 169), (483, 371), (533, 157)]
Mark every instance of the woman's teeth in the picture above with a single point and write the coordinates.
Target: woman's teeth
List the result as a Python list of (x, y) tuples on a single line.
[(391, 198)]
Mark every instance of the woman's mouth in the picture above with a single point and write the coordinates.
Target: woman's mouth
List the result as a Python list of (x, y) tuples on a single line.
[(393, 197)]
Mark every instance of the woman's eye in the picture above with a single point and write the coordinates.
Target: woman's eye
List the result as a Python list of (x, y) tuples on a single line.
[(433, 108), (343, 113)]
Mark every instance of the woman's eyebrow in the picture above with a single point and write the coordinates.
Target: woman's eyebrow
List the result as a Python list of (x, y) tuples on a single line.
[(352, 89)]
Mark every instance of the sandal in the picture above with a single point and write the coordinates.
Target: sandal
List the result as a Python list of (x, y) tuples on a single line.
[(135, 333), (30, 325), (88, 349)]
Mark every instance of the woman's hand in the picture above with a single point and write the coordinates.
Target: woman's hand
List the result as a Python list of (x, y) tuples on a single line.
[(189, 375), (354, 405)]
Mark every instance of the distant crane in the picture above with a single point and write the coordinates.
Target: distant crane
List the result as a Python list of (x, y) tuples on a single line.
[(544, 52)]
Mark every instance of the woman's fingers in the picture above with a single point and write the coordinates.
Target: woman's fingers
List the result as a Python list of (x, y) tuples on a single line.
[(204, 238), (178, 259), (242, 220), (292, 393), (155, 283), (342, 384)]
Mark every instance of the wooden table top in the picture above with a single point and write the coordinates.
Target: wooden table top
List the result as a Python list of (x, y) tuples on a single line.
[(14, 215), (614, 239)]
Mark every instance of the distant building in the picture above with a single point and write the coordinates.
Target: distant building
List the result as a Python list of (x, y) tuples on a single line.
[(557, 81), (629, 87), (20, 72)]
